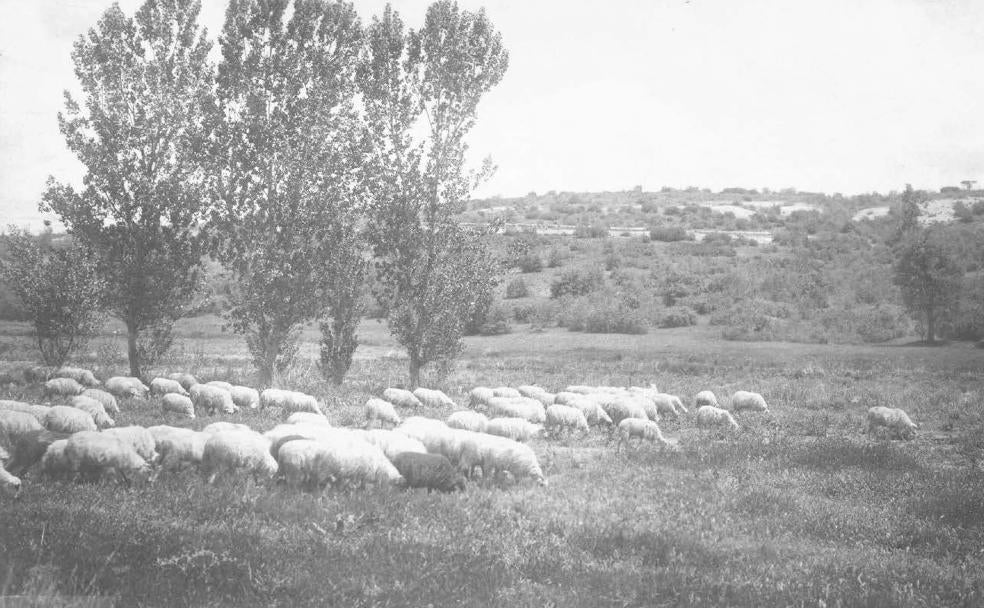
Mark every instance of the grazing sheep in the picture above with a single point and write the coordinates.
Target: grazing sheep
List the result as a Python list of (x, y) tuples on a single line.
[(82, 376), (62, 387), (185, 380), (165, 386), (401, 398), (592, 411), (536, 392), (9, 482), (505, 391), (26, 449), (708, 415), (380, 411), (312, 464), (308, 418), (107, 399), (282, 433), (289, 401), (226, 386), (619, 409), (126, 386), (569, 397), (431, 471), (227, 451), (892, 418), (645, 430), (16, 406), (518, 407), (210, 399), (705, 398), (179, 404), (580, 389), (393, 443), (244, 396), (480, 395), (93, 453), (435, 435), (54, 462), (515, 458), (744, 400), (223, 426), (561, 418), (432, 398), (14, 423), (668, 405), (468, 420), (178, 447), (517, 429), (66, 419), (93, 408), (138, 438)]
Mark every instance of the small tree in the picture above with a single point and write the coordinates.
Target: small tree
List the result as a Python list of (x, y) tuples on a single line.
[(60, 289), (421, 91), (145, 83), (929, 278)]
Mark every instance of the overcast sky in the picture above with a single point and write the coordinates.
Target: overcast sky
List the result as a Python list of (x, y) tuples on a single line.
[(829, 95)]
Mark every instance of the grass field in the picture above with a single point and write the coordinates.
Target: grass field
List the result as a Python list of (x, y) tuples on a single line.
[(797, 509)]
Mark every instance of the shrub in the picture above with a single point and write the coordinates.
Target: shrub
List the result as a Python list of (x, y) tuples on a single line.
[(677, 316), (558, 256), (669, 233), (530, 262), (602, 313), (594, 231), (978, 207), (517, 288), (496, 322), (576, 283)]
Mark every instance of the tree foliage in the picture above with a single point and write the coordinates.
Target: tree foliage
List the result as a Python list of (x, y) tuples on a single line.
[(929, 278), (421, 91), (59, 288), (138, 132)]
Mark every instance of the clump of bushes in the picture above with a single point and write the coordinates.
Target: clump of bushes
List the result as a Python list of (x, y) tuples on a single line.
[(602, 313), (677, 316), (577, 282), (517, 288), (558, 257), (668, 234)]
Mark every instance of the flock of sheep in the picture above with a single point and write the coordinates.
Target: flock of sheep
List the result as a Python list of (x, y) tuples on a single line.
[(80, 439)]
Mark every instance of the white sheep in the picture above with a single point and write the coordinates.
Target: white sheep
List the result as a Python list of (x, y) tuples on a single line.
[(38, 411), (223, 426), (93, 408), (562, 418), (126, 386), (137, 437), (436, 436), (468, 420), (313, 464), (668, 405), (644, 430), (289, 401), (506, 391), (186, 380), (744, 400), (894, 419), (227, 451), (393, 443), (518, 407), (54, 463), (480, 395), (107, 399), (580, 389), (164, 386), (401, 398), (14, 423), (65, 387), (92, 452), (308, 418), (82, 376), (179, 404), (432, 398), (592, 411), (379, 411), (66, 419), (211, 399), (517, 429), (226, 386), (619, 409), (705, 398), (499, 455), (708, 416), (8, 481), (177, 446), (244, 396), (536, 392)]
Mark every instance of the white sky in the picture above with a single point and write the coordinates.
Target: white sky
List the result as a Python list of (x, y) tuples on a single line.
[(824, 95)]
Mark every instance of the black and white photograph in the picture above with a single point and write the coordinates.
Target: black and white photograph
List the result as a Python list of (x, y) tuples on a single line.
[(438, 303)]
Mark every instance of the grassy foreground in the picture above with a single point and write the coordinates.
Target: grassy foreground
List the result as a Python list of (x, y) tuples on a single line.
[(797, 509)]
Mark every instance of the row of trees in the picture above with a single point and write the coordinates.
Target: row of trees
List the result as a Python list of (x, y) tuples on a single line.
[(321, 155)]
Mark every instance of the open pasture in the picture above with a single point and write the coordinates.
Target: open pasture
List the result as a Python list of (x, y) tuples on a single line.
[(797, 508)]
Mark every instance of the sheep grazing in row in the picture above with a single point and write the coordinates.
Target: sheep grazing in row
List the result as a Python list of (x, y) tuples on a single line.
[(66, 419), (226, 386), (107, 399), (165, 386), (620, 409), (228, 451), (211, 399), (312, 463), (593, 412), (178, 447), (393, 443), (308, 418), (178, 404), (892, 419), (705, 398), (507, 392), (744, 400), (138, 438), (82, 376), (185, 380), (564, 418), (401, 398), (644, 430), (517, 407), (708, 416), (93, 453), (538, 393), (62, 387), (244, 396), (26, 449), (480, 395), (93, 408), (468, 420), (431, 471), (432, 398), (379, 411), (126, 386), (517, 429), (289, 401), (495, 455), (14, 423)]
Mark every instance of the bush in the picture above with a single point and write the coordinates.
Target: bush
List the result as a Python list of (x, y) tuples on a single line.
[(530, 262), (558, 257), (577, 283), (669, 233), (602, 313), (677, 316), (594, 231), (496, 322), (517, 288)]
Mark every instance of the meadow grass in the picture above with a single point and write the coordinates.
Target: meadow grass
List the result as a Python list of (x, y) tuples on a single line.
[(799, 508)]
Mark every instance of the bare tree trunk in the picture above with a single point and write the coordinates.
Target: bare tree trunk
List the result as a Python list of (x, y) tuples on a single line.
[(415, 366), (930, 326), (133, 354)]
